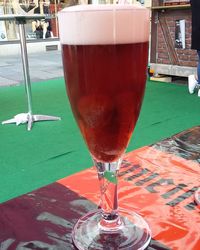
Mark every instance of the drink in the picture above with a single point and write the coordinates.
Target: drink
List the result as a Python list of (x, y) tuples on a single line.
[(105, 77), (106, 94), (104, 49)]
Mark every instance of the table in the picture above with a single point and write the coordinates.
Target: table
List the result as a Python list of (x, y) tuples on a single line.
[(158, 181), (29, 117)]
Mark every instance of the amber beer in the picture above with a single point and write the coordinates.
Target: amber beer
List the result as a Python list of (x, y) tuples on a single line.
[(105, 80)]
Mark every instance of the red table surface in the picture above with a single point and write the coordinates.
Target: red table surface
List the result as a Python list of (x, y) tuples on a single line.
[(157, 181)]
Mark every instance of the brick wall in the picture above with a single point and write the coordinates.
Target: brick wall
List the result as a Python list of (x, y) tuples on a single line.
[(186, 57)]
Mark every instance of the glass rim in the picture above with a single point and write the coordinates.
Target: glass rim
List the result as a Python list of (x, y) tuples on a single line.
[(103, 7)]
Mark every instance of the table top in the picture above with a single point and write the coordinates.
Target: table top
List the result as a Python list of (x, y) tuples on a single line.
[(157, 181), (17, 17)]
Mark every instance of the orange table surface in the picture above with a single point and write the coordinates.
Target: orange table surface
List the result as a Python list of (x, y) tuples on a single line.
[(157, 181)]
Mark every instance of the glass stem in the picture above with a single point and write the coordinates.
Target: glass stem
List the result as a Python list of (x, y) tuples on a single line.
[(108, 180)]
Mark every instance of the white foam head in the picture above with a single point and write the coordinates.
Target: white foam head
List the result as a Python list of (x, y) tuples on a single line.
[(103, 24)]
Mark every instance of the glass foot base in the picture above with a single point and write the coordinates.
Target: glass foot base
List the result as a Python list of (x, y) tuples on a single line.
[(134, 233), (197, 196)]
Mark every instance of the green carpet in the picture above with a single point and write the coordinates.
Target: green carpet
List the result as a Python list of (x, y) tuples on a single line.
[(55, 149)]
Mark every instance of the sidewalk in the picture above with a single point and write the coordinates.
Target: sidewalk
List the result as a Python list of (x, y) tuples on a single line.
[(42, 66)]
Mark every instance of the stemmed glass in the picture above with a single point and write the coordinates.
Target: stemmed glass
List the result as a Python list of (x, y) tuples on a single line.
[(105, 51)]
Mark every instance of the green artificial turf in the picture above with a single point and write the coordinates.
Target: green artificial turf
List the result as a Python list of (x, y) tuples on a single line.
[(55, 149)]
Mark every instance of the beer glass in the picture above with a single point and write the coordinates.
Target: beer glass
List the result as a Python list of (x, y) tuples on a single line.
[(105, 52)]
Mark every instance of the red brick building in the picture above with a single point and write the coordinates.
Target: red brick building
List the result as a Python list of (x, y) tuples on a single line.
[(168, 55)]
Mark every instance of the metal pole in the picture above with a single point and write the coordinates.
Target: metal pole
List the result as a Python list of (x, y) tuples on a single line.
[(28, 118), (25, 65)]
